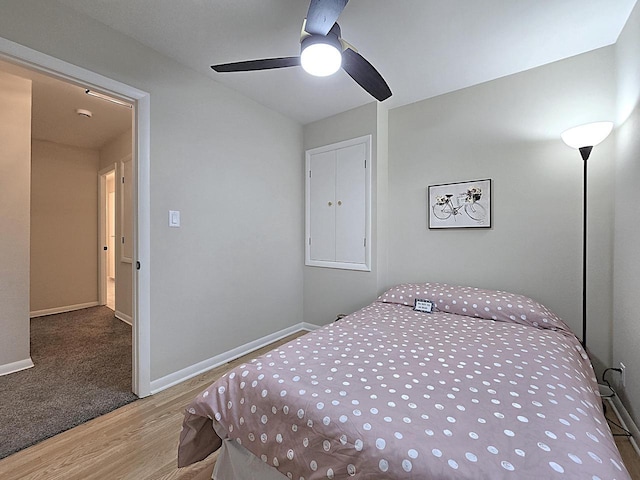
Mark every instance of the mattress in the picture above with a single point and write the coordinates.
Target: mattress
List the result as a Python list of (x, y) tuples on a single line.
[(488, 385)]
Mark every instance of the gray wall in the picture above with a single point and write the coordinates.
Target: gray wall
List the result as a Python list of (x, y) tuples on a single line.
[(380, 245), (626, 317), (230, 165), (15, 170), (328, 291), (508, 130)]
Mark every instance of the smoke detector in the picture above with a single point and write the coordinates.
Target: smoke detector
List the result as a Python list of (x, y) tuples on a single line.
[(84, 113)]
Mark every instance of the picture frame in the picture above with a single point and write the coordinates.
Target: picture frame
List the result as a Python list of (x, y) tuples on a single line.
[(459, 205)]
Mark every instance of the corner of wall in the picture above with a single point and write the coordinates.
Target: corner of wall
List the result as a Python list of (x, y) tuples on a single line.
[(382, 197), (626, 262), (328, 292)]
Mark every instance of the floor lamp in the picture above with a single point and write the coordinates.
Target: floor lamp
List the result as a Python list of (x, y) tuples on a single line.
[(584, 138)]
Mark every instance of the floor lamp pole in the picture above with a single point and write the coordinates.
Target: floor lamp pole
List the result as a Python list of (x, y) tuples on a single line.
[(585, 152), (589, 134)]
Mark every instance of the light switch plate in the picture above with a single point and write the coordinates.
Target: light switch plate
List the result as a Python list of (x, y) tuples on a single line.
[(174, 218)]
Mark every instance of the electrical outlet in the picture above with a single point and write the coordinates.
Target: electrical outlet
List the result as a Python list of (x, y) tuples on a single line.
[(623, 374)]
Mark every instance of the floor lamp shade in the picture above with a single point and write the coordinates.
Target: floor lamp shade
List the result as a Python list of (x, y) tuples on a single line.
[(588, 135), (584, 138)]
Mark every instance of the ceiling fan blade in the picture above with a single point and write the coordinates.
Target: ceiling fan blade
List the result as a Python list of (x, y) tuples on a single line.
[(262, 64), (322, 15), (365, 74)]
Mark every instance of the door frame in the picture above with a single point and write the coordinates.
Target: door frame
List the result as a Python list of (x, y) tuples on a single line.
[(141, 124), (102, 232)]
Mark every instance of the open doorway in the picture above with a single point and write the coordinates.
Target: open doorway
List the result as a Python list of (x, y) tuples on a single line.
[(72, 138), (140, 181)]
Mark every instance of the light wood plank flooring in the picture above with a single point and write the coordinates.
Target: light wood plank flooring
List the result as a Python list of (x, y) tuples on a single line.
[(629, 455), (139, 441)]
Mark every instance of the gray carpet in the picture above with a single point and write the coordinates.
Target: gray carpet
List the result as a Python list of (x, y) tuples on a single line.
[(82, 370)]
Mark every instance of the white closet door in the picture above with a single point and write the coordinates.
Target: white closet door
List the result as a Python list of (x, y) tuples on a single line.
[(322, 208), (350, 229), (338, 205)]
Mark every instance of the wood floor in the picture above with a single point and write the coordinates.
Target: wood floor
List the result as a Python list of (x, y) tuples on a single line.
[(629, 455), (139, 441)]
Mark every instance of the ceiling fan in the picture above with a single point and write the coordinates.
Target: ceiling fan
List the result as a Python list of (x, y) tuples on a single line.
[(322, 52)]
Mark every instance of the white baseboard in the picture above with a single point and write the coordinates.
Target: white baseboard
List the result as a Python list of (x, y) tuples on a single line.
[(213, 362), (124, 317), (307, 327), (627, 421), (14, 367), (64, 309)]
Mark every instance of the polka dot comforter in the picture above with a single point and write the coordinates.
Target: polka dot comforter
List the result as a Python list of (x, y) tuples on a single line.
[(489, 385)]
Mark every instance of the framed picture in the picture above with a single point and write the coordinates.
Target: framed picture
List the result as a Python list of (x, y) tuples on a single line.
[(459, 205)]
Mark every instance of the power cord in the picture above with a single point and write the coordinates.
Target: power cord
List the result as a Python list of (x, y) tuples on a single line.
[(626, 433), (613, 392)]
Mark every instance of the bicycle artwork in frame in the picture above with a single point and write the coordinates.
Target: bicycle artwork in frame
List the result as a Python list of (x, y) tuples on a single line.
[(460, 205)]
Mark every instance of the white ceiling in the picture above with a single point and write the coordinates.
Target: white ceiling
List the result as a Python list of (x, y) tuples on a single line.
[(423, 48), (54, 117)]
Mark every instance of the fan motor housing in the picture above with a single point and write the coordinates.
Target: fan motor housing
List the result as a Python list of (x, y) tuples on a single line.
[(332, 38)]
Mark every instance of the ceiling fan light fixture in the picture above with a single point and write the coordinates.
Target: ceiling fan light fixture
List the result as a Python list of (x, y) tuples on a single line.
[(322, 52), (321, 56)]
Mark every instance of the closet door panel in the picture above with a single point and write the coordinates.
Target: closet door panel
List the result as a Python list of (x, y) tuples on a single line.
[(322, 208), (351, 204)]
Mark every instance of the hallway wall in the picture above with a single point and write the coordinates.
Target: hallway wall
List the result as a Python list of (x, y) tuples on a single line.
[(64, 227)]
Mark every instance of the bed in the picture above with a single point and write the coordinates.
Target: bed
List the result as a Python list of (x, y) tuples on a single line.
[(488, 385)]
